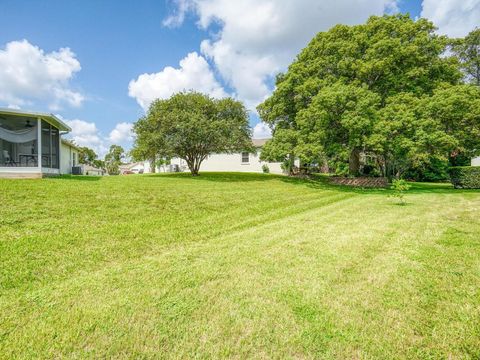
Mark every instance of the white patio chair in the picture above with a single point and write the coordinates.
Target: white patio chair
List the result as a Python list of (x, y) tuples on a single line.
[(8, 159)]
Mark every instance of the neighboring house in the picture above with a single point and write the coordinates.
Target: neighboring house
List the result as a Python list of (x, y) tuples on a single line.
[(236, 162), (133, 168), (69, 155), (138, 168), (30, 144), (91, 170), (476, 161)]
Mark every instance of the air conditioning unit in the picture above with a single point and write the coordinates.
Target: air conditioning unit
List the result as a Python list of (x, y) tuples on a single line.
[(77, 170)]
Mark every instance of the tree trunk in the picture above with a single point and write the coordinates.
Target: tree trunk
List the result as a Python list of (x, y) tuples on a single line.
[(325, 169), (382, 165), (189, 165), (291, 163), (194, 165), (354, 162), (153, 167)]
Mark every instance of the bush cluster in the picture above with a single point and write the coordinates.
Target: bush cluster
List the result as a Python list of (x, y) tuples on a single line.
[(465, 177)]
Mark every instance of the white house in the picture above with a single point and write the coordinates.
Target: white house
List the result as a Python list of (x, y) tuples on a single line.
[(476, 161), (90, 170), (135, 168), (69, 154), (31, 146), (236, 162)]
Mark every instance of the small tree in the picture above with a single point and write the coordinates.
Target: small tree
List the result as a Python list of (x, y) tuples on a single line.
[(146, 145), (113, 159), (100, 164), (162, 163), (400, 186), (191, 126), (86, 155), (281, 148)]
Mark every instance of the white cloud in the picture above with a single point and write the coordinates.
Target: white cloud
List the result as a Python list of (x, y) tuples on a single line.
[(28, 74), (177, 18), (86, 133), (121, 133), (194, 74), (455, 18), (262, 131), (259, 38)]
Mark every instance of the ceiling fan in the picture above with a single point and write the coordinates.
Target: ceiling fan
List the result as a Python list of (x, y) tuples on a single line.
[(28, 125)]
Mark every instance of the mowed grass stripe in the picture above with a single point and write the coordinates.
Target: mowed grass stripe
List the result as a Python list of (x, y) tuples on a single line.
[(358, 278), (162, 246), (174, 268), (132, 238)]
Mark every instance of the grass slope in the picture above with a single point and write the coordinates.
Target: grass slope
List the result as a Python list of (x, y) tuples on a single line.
[(237, 265)]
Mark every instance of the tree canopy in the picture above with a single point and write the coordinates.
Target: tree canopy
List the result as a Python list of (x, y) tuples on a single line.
[(468, 52), (384, 94), (113, 159), (86, 155), (191, 126)]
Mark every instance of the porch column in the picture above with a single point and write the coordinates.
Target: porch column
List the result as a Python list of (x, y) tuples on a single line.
[(39, 143)]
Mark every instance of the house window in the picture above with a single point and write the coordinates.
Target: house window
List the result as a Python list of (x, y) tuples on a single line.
[(245, 157)]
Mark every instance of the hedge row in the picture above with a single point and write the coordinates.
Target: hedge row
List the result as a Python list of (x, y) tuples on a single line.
[(465, 177)]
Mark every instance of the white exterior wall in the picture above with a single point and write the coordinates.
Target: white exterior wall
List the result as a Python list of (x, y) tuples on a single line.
[(233, 163), (476, 161), (66, 158)]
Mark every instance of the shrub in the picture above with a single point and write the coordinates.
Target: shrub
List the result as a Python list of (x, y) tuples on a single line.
[(265, 169), (465, 177), (370, 170), (432, 170), (399, 187)]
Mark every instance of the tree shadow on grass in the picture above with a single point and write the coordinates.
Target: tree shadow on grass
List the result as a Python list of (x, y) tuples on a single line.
[(229, 177), (438, 188), (320, 182), (316, 182)]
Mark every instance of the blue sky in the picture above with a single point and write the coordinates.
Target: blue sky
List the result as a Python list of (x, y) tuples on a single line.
[(123, 54)]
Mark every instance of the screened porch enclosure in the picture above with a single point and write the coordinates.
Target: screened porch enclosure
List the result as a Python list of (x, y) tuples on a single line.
[(19, 143), (50, 146)]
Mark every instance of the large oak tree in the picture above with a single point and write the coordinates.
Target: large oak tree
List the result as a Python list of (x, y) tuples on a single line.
[(374, 89), (468, 52)]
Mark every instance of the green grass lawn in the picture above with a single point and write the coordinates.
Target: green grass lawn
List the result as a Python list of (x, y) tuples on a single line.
[(238, 266)]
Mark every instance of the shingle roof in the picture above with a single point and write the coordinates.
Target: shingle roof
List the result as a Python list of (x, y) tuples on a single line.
[(259, 142), (69, 143)]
